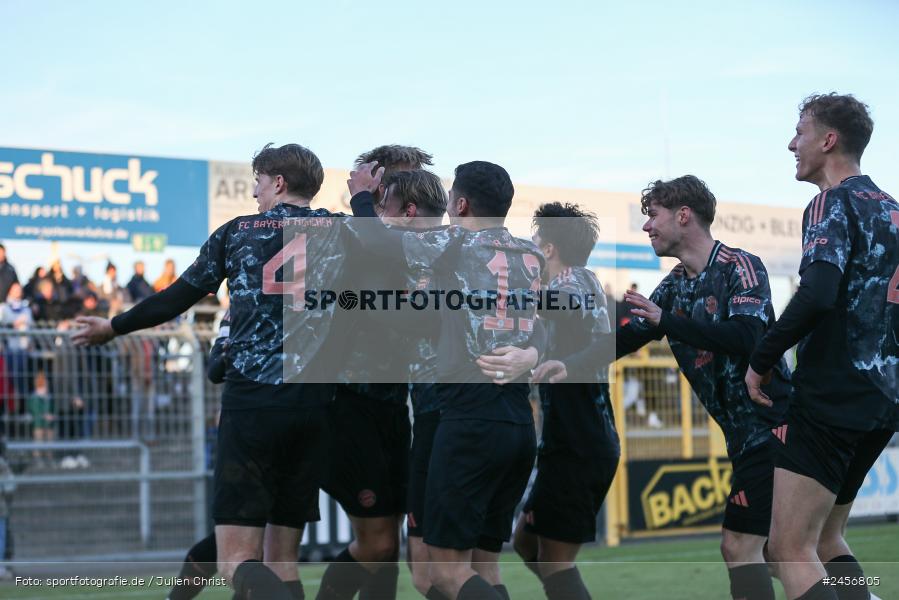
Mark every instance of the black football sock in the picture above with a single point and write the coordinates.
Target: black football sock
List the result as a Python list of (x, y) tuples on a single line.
[(534, 566), (846, 566), (566, 585), (502, 591), (199, 562), (751, 582), (477, 588), (343, 578), (819, 591), (253, 580), (381, 585), (296, 589), (435, 594)]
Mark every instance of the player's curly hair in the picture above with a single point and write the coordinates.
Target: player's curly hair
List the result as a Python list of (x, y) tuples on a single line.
[(844, 113), (298, 165), (487, 187), (394, 157), (689, 190), (421, 188), (570, 229)]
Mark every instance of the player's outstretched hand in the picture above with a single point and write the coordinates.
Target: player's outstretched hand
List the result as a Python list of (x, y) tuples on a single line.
[(754, 383), (364, 178), (507, 363), (551, 371), (645, 307), (93, 331)]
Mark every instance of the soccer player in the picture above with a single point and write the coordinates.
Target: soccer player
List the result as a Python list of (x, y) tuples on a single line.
[(484, 446), (417, 200), (402, 194), (272, 434), (846, 314), (579, 448), (199, 563), (714, 306), (368, 461)]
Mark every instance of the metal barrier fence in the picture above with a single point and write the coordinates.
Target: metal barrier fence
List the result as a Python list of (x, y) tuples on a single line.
[(660, 420), (113, 447), (113, 460), (109, 444), (662, 417)]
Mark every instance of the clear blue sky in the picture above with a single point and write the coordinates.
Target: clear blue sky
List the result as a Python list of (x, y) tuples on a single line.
[(564, 94)]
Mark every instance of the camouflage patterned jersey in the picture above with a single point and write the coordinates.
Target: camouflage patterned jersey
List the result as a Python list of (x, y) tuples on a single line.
[(386, 348), (734, 283), (577, 417), (423, 369), (850, 361), (377, 358), (479, 273), (251, 252)]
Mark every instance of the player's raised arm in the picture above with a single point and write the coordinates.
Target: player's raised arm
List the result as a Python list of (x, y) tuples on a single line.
[(825, 237), (749, 311), (821, 272), (628, 338), (372, 234), (152, 311)]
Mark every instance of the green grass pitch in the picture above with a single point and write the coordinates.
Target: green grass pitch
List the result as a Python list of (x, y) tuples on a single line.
[(687, 569)]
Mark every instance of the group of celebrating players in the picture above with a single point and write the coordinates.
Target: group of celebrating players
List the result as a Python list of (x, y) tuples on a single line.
[(315, 396)]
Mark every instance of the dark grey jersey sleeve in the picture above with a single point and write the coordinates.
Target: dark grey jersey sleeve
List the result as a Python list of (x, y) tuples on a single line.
[(159, 308)]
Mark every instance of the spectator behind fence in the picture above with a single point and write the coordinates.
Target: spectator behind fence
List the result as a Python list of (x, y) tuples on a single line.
[(7, 487), (30, 289), (8, 275), (139, 288), (81, 285), (62, 285), (40, 409), (91, 307), (111, 294), (16, 313), (45, 306), (167, 278), (206, 310)]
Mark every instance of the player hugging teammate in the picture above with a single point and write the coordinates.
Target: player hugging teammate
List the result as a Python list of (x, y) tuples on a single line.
[(799, 457), (713, 307), (579, 447)]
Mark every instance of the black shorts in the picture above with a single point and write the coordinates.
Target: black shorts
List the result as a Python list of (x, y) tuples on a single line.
[(837, 458), (269, 466), (566, 497), (748, 507), (479, 470), (423, 429), (368, 462)]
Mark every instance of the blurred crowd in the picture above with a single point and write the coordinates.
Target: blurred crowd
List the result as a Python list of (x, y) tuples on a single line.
[(50, 390), (50, 295)]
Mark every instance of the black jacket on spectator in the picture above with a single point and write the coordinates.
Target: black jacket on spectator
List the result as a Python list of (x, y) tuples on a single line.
[(139, 288), (62, 289), (48, 310), (8, 277), (30, 288)]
